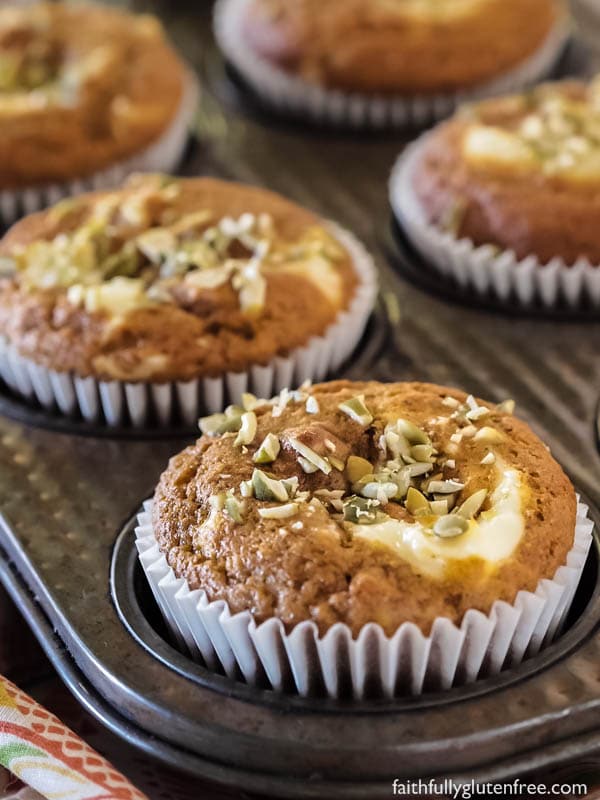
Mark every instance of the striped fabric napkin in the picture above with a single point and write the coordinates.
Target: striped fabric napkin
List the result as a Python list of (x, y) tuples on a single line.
[(49, 759)]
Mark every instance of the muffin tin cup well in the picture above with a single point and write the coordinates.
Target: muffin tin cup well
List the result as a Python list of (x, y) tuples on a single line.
[(163, 155), (373, 665), (118, 403), (484, 269), (292, 96)]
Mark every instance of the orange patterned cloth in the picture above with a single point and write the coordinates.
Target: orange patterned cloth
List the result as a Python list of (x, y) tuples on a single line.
[(48, 757)]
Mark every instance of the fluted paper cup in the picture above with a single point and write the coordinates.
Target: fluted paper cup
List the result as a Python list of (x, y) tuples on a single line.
[(289, 94), (118, 403), (163, 155), (485, 268), (372, 664)]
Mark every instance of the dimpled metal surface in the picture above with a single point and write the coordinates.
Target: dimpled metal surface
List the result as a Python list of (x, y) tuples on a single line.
[(64, 498)]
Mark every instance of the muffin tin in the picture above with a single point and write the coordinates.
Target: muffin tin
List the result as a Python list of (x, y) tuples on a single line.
[(69, 501)]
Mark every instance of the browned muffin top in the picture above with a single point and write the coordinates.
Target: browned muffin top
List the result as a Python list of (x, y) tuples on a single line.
[(521, 172), (170, 279), (81, 87), (406, 46), (364, 502)]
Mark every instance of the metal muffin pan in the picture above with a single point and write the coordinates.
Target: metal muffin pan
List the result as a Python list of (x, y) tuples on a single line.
[(65, 498)]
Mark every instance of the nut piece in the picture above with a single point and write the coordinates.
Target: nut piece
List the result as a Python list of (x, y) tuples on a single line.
[(247, 429), (356, 409), (234, 508), (416, 503), (310, 455), (450, 526), (218, 424), (268, 450), (439, 507), (279, 512), (266, 488), (445, 487), (361, 511), (487, 434), (357, 468), (472, 504), (312, 405), (414, 435), (506, 407)]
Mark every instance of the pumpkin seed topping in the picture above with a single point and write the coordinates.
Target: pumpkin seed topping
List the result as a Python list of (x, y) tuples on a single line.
[(247, 430), (488, 434), (475, 411), (312, 405), (418, 469), (333, 497), (445, 487), (279, 512), (310, 455), (250, 401), (377, 490), (469, 431), (217, 501), (337, 463), (356, 409), (472, 504), (291, 485), (357, 468), (422, 452), (217, 424), (450, 402), (414, 435), (234, 508), (450, 526), (361, 511), (416, 503), (506, 407), (439, 507), (307, 467), (408, 469), (268, 450), (246, 488), (266, 488)]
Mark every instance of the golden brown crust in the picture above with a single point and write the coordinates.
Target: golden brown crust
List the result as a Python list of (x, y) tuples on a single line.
[(118, 86), (362, 45), (197, 333), (273, 568), (529, 211)]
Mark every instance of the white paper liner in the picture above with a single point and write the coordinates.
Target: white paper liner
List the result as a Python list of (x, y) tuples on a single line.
[(163, 155), (289, 94), (118, 403), (483, 268), (372, 665)]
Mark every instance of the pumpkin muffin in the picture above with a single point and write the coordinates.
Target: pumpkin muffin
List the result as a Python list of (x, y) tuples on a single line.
[(398, 46), (82, 87), (170, 280), (521, 173), (362, 503)]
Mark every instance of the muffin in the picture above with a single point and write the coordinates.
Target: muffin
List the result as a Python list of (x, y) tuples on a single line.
[(517, 175), (387, 51), (195, 285), (85, 89), (410, 515)]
